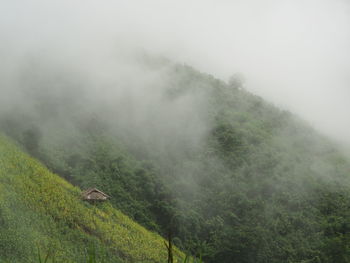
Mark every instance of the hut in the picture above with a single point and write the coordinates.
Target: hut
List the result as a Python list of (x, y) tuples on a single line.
[(93, 194)]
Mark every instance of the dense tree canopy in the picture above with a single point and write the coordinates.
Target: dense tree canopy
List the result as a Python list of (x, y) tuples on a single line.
[(258, 185)]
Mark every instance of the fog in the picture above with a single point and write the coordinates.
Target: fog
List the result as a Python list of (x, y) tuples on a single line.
[(293, 53)]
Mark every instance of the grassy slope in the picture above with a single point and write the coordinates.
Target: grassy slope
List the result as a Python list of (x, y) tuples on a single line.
[(38, 208)]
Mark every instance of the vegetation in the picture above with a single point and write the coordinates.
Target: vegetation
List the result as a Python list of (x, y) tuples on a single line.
[(42, 212), (255, 185)]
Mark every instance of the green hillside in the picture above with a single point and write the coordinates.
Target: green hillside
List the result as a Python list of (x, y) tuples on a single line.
[(42, 213), (231, 176)]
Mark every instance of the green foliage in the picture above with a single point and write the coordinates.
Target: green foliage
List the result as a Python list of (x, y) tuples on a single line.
[(49, 257), (259, 186), (38, 207)]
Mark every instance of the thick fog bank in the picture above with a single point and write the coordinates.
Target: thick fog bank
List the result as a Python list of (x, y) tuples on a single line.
[(294, 53)]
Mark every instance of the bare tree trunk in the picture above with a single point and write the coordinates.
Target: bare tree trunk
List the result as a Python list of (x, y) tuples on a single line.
[(169, 247)]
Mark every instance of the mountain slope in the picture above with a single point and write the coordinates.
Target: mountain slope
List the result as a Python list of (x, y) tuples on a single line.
[(230, 175), (38, 209)]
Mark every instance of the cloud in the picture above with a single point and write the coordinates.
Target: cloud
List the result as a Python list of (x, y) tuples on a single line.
[(293, 53)]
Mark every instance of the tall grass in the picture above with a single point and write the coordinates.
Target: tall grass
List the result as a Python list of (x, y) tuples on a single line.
[(48, 258), (56, 214), (91, 256)]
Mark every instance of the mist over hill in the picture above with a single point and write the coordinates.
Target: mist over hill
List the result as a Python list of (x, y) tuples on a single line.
[(145, 102), (293, 53), (232, 177)]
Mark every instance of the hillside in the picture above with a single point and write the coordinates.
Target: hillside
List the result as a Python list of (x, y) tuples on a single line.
[(233, 177), (42, 213)]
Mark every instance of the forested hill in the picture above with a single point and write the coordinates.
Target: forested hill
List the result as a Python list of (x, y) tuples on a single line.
[(231, 176)]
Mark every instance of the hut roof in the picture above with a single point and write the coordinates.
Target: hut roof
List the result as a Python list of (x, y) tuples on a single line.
[(94, 194)]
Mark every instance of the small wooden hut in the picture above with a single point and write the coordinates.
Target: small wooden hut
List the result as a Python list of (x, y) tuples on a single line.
[(93, 194)]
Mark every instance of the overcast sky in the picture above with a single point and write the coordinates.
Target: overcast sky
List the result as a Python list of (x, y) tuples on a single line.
[(295, 53)]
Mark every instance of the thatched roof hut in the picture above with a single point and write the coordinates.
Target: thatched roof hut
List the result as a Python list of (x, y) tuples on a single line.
[(93, 194)]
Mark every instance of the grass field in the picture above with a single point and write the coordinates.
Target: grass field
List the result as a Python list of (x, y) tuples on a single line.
[(40, 211)]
